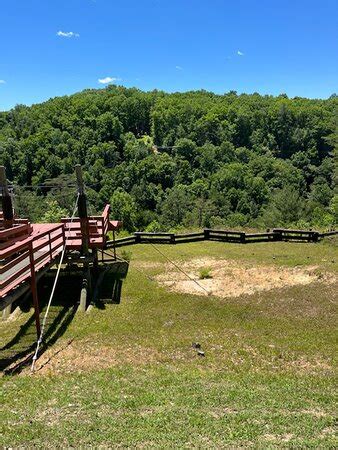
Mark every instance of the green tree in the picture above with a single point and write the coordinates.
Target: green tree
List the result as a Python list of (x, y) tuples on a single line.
[(285, 208), (53, 212), (176, 205), (123, 208)]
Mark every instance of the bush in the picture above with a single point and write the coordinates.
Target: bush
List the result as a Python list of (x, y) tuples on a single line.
[(153, 227), (237, 220), (217, 222)]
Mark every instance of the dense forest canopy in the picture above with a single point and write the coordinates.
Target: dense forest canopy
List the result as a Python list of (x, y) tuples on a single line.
[(166, 161)]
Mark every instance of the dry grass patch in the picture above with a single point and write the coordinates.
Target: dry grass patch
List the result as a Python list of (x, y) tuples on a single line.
[(233, 279), (83, 356)]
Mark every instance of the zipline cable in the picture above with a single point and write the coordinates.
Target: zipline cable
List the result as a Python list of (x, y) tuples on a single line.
[(48, 186), (35, 357), (40, 186), (180, 269), (128, 262)]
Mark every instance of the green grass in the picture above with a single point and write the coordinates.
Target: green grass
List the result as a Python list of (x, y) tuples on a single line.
[(267, 378), (204, 273)]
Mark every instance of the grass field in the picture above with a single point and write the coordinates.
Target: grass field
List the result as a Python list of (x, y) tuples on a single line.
[(128, 376)]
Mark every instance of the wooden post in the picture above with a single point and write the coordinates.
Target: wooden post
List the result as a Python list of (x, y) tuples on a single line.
[(82, 211), (6, 200), (114, 244), (95, 261), (34, 291), (6, 312), (84, 224), (84, 292)]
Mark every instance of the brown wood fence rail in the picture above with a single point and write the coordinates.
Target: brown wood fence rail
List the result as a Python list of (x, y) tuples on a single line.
[(277, 234)]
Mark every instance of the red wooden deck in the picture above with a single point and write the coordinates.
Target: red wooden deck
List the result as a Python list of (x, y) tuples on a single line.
[(26, 248)]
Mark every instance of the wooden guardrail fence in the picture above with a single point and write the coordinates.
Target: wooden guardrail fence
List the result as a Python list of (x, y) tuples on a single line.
[(208, 234)]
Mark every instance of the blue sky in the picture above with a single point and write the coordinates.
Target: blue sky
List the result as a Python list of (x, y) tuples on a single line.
[(57, 47)]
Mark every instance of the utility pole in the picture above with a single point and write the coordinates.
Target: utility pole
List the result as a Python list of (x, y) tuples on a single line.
[(83, 215), (6, 200), (82, 211)]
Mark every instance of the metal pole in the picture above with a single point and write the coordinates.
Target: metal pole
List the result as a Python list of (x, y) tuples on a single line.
[(6, 200)]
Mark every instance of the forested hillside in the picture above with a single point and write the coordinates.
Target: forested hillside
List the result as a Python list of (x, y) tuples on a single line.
[(226, 160)]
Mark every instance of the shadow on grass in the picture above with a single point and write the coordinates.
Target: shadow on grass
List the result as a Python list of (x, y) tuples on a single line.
[(18, 351)]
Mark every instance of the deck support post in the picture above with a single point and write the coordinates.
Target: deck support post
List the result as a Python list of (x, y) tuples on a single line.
[(83, 295), (95, 261), (6, 200), (34, 292), (114, 248), (85, 290), (6, 312)]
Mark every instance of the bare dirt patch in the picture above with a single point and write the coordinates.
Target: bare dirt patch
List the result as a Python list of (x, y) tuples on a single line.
[(83, 356), (233, 279)]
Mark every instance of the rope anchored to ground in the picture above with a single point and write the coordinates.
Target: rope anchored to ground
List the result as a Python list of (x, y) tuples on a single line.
[(39, 341)]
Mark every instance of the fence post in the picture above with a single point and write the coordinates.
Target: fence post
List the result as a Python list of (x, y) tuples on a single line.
[(277, 235), (206, 234)]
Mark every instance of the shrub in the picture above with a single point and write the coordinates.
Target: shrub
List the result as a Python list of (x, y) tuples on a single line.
[(153, 227), (205, 273)]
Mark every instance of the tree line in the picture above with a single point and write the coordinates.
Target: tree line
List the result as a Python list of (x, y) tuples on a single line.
[(167, 161)]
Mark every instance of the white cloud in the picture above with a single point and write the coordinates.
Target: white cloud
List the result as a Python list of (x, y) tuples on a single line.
[(107, 80), (178, 67), (67, 34), (2, 81), (239, 53)]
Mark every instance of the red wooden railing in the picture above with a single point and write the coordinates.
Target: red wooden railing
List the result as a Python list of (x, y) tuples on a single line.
[(97, 228), (19, 260)]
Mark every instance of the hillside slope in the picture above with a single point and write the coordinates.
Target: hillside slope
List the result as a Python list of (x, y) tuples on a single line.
[(228, 159)]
